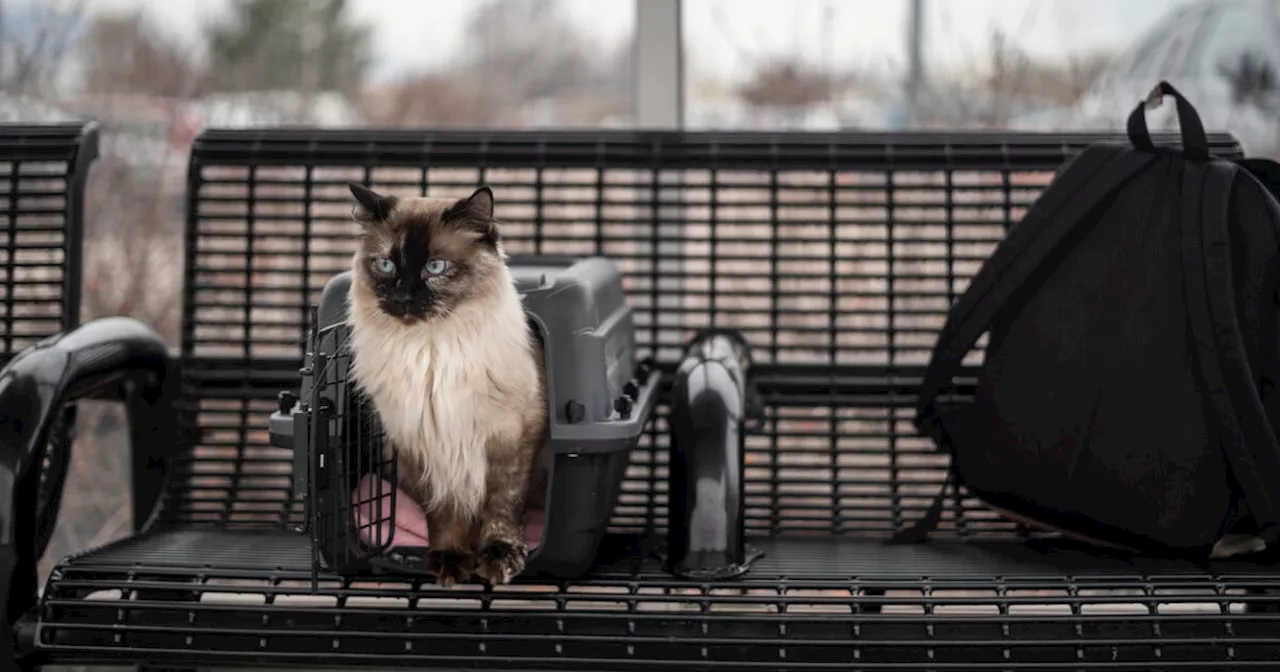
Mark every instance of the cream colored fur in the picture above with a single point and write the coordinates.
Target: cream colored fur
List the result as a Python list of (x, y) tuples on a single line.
[(448, 388)]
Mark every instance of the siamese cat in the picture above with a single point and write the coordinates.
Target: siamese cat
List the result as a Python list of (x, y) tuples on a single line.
[(441, 346)]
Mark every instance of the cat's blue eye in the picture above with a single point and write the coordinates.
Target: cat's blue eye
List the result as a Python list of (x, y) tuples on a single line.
[(436, 266), (385, 266)]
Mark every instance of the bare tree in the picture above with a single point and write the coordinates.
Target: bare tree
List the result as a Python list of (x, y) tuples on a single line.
[(516, 53), (1006, 81), (35, 40), (522, 50), (429, 99), (1011, 82), (1080, 73), (1014, 77), (788, 84), (124, 53)]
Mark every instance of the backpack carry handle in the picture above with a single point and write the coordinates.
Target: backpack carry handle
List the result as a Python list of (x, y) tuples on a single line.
[(1195, 144)]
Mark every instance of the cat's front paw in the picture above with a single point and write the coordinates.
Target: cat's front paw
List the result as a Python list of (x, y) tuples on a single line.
[(450, 566), (500, 561)]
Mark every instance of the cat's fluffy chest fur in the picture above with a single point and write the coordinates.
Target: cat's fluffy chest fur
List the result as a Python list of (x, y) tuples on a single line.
[(448, 390)]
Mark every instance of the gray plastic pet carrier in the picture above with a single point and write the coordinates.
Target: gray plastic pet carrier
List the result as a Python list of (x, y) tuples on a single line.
[(600, 399)]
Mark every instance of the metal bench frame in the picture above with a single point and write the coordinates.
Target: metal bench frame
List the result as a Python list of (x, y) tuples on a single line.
[(43, 173), (220, 572)]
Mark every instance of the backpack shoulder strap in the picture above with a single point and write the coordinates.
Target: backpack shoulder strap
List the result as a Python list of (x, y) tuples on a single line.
[(1245, 434), (1266, 171), (1079, 186)]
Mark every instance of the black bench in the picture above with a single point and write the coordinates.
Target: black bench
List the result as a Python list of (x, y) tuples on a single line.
[(836, 254), (43, 169)]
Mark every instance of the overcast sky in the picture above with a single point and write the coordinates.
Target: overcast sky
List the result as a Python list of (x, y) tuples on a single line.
[(722, 35)]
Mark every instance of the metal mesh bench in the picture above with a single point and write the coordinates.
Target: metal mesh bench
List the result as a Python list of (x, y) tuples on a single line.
[(837, 256), (43, 169)]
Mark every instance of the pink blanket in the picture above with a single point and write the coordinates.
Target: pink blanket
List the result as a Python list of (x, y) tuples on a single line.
[(411, 525)]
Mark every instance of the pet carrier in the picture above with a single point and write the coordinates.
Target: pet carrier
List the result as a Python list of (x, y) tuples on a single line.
[(600, 400)]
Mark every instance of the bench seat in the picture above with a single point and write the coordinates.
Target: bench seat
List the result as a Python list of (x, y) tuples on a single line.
[(244, 596)]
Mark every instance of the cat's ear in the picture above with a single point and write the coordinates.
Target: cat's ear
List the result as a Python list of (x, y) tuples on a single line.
[(478, 205), (475, 213), (371, 206)]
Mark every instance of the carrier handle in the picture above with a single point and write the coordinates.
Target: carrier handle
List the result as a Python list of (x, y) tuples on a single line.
[(1195, 144)]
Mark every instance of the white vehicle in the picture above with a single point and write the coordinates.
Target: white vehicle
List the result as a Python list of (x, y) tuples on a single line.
[(1224, 55)]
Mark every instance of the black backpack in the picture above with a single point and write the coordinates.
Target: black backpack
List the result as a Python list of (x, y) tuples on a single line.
[(1128, 394)]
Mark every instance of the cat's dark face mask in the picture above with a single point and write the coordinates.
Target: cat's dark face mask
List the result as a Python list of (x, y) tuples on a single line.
[(421, 258), (409, 285)]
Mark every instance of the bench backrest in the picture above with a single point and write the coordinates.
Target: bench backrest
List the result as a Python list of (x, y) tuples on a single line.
[(43, 168), (836, 254)]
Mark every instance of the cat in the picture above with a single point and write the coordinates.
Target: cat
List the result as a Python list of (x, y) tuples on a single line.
[(441, 346)]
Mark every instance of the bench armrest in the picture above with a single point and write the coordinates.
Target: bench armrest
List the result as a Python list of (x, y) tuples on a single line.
[(110, 357), (713, 405)]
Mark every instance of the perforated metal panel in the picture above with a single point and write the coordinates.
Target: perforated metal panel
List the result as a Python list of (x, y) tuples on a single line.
[(836, 254), (42, 174)]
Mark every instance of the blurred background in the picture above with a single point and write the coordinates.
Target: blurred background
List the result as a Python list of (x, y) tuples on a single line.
[(155, 72)]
